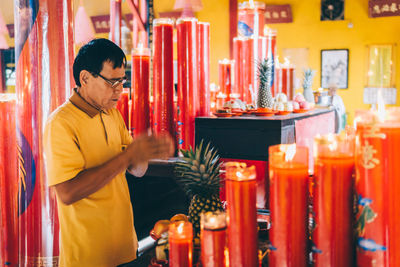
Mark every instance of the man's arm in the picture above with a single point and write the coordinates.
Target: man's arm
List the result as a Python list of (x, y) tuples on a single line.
[(91, 180)]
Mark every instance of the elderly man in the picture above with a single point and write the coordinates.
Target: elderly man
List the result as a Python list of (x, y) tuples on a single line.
[(88, 149)]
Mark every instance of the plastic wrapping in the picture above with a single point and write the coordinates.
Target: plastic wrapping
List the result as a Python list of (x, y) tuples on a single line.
[(187, 80), (378, 188), (163, 76), (44, 51), (8, 182), (140, 115)]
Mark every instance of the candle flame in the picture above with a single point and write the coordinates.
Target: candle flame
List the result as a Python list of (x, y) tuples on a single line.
[(332, 142), (289, 150), (381, 111), (180, 228)]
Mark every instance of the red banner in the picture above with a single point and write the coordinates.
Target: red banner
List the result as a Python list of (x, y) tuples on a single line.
[(383, 8), (278, 14)]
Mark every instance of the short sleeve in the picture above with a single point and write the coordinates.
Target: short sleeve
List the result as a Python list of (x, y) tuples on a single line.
[(63, 157), (125, 136)]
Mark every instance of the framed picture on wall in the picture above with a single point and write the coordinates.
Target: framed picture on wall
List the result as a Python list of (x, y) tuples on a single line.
[(335, 68)]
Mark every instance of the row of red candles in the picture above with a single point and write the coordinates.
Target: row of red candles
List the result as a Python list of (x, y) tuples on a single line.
[(332, 189), (193, 96), (235, 78)]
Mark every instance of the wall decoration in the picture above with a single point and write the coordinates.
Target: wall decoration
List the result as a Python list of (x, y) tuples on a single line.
[(380, 68), (383, 8), (332, 9), (334, 68)]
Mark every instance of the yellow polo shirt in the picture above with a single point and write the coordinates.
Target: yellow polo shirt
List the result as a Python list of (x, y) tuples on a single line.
[(97, 230)]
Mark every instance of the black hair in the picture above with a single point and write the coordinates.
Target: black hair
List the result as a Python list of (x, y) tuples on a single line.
[(92, 56)]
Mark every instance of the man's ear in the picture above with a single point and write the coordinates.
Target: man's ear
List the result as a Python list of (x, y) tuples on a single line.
[(84, 77)]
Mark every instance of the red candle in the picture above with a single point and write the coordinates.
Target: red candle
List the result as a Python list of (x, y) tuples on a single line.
[(8, 182), (203, 34), (140, 114), (242, 214), (225, 72), (180, 235), (187, 80), (123, 106), (288, 165), (163, 78), (333, 197), (378, 188), (213, 239), (288, 82), (271, 53), (251, 18), (237, 57), (247, 69)]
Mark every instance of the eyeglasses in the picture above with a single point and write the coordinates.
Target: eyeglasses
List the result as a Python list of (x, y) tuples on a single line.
[(113, 83)]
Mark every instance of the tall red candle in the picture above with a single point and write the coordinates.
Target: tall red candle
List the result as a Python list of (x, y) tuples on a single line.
[(180, 236), (288, 172), (203, 35), (225, 73), (333, 195), (187, 80), (270, 35), (251, 18), (140, 116), (237, 57), (242, 214), (123, 106), (163, 78), (378, 188), (213, 239), (247, 69), (8, 182)]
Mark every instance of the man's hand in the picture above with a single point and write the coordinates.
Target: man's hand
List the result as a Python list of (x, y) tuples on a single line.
[(145, 148)]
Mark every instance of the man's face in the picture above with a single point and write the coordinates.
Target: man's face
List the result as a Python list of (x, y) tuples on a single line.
[(100, 93)]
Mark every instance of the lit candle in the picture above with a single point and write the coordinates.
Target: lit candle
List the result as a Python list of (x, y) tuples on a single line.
[(123, 106), (378, 188), (163, 78), (9, 181), (213, 239), (140, 114), (333, 196), (203, 35), (180, 236), (242, 214), (187, 80), (288, 172), (220, 100)]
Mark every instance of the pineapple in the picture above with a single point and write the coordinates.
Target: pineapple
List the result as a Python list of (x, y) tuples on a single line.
[(265, 73), (307, 85), (198, 173)]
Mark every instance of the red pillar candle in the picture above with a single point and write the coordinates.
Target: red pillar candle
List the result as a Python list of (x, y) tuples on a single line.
[(242, 214), (213, 239), (378, 188), (247, 69), (225, 73), (203, 35), (288, 172), (213, 97), (163, 78), (123, 106), (187, 80), (237, 57), (287, 82), (270, 35), (140, 114), (333, 195), (180, 235), (251, 18), (8, 182)]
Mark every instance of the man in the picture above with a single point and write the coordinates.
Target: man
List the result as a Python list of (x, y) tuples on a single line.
[(88, 149)]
